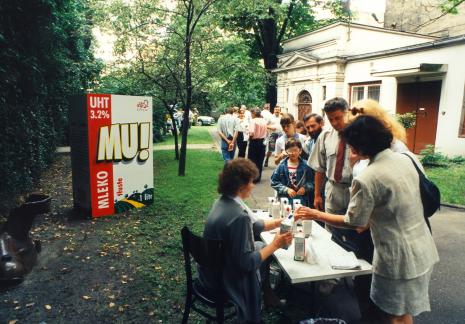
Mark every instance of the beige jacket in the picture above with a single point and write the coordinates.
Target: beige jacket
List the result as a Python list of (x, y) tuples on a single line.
[(387, 197)]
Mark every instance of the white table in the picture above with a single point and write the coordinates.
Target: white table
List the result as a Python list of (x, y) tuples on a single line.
[(301, 271)]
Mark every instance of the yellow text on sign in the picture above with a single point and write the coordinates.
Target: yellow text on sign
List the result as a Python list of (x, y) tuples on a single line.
[(123, 142)]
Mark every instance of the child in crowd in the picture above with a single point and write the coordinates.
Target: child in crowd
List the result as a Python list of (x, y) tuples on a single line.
[(288, 125), (293, 177), (300, 128)]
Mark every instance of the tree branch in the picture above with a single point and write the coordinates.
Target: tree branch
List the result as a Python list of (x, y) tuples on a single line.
[(286, 20), (440, 16)]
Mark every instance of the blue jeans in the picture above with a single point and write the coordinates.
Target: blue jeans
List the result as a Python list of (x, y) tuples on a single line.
[(227, 155)]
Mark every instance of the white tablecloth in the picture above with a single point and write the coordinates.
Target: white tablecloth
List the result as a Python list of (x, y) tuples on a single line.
[(301, 271)]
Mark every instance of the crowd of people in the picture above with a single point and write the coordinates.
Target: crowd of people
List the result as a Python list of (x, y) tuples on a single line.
[(353, 177)]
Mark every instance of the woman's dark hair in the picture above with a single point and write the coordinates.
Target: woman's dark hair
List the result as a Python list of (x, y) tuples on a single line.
[(300, 124), (256, 112), (367, 135), (286, 119), (236, 173), (336, 103), (292, 142)]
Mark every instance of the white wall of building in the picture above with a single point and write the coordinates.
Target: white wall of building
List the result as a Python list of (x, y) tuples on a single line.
[(353, 39), (452, 92)]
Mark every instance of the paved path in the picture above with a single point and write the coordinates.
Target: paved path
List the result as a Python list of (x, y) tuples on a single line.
[(262, 190), (66, 149), (189, 147)]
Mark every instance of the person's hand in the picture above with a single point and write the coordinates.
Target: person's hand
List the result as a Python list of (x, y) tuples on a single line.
[(362, 229), (305, 213), (281, 240), (277, 222), (291, 192), (301, 191), (283, 155), (318, 202)]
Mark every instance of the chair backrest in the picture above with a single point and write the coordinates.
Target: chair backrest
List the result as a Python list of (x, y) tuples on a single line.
[(207, 253)]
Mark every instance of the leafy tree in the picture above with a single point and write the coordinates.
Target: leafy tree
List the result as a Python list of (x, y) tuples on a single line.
[(151, 51), (264, 25), (46, 57)]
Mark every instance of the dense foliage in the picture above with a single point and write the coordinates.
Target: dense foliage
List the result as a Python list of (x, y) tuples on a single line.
[(45, 57), (264, 25), (150, 59)]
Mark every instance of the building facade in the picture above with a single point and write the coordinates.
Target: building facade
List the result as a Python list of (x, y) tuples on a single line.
[(405, 72)]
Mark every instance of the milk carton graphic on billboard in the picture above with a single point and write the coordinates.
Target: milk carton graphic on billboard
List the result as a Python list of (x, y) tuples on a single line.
[(111, 153)]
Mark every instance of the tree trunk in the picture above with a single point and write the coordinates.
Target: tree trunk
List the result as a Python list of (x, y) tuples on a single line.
[(185, 119), (270, 53)]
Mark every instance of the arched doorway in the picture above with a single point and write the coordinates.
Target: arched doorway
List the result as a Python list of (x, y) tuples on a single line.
[(304, 104)]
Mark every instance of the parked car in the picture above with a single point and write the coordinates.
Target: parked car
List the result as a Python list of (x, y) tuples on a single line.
[(205, 120)]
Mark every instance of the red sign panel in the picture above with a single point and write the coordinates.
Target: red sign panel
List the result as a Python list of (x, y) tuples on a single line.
[(101, 173)]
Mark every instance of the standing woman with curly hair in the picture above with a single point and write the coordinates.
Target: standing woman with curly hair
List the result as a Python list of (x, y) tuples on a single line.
[(370, 107), (386, 198)]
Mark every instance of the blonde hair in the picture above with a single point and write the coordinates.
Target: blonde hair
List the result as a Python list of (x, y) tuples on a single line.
[(371, 107)]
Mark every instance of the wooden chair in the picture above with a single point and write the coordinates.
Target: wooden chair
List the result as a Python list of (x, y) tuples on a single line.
[(210, 255)]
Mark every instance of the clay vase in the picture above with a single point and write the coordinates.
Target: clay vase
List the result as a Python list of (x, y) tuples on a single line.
[(18, 252)]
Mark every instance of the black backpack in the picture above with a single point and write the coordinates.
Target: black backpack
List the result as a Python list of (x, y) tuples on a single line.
[(430, 194)]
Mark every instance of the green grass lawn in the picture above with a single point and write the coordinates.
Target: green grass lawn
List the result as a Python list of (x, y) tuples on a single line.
[(196, 135), (179, 201), (451, 182)]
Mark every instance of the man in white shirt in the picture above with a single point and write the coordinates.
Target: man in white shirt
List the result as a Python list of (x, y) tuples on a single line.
[(227, 129), (265, 113), (274, 131), (247, 114)]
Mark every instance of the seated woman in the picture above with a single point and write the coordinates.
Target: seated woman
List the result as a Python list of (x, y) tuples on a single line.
[(386, 197), (293, 178), (231, 221)]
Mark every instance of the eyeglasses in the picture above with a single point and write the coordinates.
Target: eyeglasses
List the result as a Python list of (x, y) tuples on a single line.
[(355, 111), (293, 151)]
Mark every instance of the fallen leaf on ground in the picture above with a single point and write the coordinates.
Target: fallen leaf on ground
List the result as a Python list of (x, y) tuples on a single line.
[(48, 307), (86, 297)]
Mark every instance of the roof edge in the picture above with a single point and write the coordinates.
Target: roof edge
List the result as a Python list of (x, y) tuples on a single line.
[(361, 26)]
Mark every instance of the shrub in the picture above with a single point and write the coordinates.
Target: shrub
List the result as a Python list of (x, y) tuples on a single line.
[(457, 159), (407, 120), (45, 58), (431, 158)]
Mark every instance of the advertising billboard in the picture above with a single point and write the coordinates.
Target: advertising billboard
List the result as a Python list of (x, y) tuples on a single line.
[(111, 153)]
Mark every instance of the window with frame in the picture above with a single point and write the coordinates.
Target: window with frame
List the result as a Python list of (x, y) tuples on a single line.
[(368, 90), (462, 120)]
